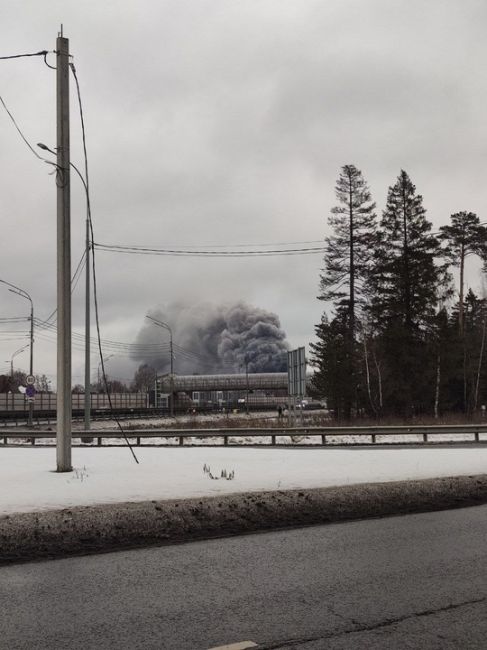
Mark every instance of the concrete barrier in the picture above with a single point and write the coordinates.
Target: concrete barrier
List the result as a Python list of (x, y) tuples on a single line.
[(92, 529)]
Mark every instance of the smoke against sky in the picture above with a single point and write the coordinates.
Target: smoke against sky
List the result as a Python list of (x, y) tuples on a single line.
[(225, 123), (212, 338)]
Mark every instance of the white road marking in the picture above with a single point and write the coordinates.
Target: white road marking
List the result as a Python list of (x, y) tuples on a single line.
[(241, 645)]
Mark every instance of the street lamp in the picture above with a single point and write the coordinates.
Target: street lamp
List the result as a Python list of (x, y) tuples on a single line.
[(23, 294), (161, 323), (24, 347)]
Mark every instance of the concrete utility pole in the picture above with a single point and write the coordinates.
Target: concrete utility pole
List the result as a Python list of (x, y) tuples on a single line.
[(247, 382), (63, 426), (23, 294), (31, 362), (87, 330), (87, 401), (161, 323)]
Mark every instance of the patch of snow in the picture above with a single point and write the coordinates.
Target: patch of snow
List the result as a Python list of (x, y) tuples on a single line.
[(29, 482)]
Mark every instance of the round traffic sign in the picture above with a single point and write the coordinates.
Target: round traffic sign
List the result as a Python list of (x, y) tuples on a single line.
[(30, 379), (30, 391)]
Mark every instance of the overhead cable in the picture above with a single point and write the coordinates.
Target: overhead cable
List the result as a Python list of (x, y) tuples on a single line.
[(142, 250)]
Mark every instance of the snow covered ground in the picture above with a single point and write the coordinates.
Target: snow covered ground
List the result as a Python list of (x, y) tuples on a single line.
[(28, 481)]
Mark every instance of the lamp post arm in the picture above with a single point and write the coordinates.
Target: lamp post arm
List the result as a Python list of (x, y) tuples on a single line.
[(24, 294)]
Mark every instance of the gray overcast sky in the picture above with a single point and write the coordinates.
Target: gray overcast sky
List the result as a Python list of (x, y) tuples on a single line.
[(226, 122)]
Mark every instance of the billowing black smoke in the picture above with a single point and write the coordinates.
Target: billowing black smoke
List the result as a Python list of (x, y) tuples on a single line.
[(215, 339)]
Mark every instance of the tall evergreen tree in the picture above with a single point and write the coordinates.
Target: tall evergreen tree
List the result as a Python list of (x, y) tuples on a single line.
[(348, 257), (349, 250), (465, 236), (329, 357), (405, 287), (406, 283)]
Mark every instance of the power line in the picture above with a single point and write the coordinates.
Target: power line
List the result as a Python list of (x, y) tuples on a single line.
[(19, 130), (14, 319), (248, 244), (119, 347), (95, 292), (74, 282), (141, 250)]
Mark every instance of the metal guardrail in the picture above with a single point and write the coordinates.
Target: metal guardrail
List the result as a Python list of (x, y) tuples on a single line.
[(229, 436)]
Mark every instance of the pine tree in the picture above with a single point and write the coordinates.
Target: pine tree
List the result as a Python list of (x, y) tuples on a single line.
[(349, 250), (465, 236), (406, 283), (405, 287), (329, 357), (348, 257)]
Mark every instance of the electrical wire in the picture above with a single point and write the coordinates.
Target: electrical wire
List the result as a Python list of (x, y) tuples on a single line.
[(107, 342), (74, 282), (95, 292), (78, 273), (288, 243), (187, 250), (60, 173), (19, 130), (142, 250), (14, 319)]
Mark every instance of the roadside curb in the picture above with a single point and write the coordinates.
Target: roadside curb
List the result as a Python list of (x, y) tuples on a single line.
[(93, 529)]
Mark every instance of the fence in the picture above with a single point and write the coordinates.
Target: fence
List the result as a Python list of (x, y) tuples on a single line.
[(47, 401)]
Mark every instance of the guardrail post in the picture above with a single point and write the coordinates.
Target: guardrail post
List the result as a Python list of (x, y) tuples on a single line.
[(99, 442), (323, 439), (477, 437), (181, 441), (373, 438), (138, 441), (425, 437), (225, 441)]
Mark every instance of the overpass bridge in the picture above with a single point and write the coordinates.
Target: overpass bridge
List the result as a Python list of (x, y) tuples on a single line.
[(265, 381)]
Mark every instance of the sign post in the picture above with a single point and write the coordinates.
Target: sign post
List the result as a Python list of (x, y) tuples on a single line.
[(296, 378)]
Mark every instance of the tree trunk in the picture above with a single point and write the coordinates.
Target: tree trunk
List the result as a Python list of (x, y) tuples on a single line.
[(379, 380), (407, 279), (460, 305), (367, 374), (479, 368), (351, 307), (437, 388)]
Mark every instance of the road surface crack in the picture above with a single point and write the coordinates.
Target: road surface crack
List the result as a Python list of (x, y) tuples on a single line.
[(290, 643)]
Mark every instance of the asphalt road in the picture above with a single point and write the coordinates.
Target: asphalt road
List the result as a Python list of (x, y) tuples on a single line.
[(416, 581)]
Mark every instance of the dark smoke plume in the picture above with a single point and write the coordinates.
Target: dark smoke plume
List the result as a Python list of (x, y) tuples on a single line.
[(217, 339)]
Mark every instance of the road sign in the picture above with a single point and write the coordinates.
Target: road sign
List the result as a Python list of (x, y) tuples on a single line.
[(30, 379), (30, 391), (296, 372)]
